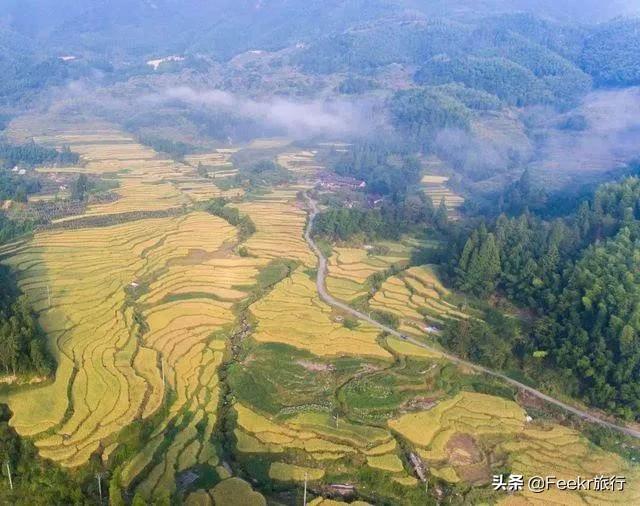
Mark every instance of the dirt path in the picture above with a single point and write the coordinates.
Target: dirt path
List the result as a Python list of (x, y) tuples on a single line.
[(329, 299)]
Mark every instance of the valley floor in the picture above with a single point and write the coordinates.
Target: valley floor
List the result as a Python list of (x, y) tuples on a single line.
[(243, 371)]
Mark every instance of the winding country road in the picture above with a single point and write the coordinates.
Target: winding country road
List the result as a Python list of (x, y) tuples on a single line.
[(329, 299)]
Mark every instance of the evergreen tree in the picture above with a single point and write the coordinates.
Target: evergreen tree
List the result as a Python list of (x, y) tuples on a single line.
[(479, 265), (80, 188), (441, 218), (599, 318)]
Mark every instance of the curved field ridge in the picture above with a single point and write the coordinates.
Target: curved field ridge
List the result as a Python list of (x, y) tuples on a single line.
[(349, 269), (279, 229), (79, 281), (451, 437), (280, 471), (418, 298), (76, 280), (188, 310), (131, 310), (321, 440), (147, 180), (294, 314)]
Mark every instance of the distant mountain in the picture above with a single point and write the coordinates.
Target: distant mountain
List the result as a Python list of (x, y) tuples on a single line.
[(535, 49), (23, 69), (150, 27), (573, 11), (224, 28)]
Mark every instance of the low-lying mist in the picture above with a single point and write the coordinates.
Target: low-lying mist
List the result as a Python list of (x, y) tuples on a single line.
[(581, 145), (601, 134), (298, 119), (214, 114)]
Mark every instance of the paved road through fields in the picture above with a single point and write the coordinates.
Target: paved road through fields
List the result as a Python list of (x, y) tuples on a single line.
[(329, 299)]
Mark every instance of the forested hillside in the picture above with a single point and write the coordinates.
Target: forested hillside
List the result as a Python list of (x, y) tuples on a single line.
[(580, 275), (222, 28), (610, 53), (22, 72)]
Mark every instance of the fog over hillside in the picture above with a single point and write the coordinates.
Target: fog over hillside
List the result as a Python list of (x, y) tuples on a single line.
[(340, 69)]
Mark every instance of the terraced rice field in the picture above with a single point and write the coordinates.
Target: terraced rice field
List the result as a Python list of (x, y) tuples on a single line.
[(279, 229), (322, 439), (148, 181), (417, 297), (435, 186), (269, 143), (200, 190), (78, 281), (213, 159), (198, 394), (138, 315), (89, 324), (321, 501), (140, 195), (301, 163), (180, 277), (349, 269), (281, 195), (456, 438), (409, 349), (102, 148), (280, 471), (218, 164), (192, 300), (230, 492), (294, 314)]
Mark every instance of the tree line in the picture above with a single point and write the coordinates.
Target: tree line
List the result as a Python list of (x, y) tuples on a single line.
[(263, 173), (16, 187), (409, 213), (175, 149), (218, 207), (22, 343), (32, 154)]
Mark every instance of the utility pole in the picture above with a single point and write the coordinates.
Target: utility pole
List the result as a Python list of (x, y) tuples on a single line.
[(304, 499), (164, 386), (49, 296), (99, 478), (9, 474)]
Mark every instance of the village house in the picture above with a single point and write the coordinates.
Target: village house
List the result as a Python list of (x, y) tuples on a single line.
[(330, 181)]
